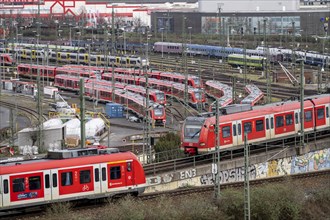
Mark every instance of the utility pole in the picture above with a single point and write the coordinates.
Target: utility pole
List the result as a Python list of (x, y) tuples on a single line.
[(184, 63), (82, 113), (247, 213), (216, 157), (265, 62), (234, 88), (113, 30), (113, 99), (245, 65), (302, 113)]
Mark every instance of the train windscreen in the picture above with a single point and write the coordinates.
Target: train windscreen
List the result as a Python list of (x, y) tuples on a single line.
[(197, 81), (158, 111), (160, 96), (192, 131), (198, 95)]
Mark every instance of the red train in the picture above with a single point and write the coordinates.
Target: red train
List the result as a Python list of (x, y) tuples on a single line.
[(193, 81), (218, 90), (6, 60), (68, 82), (31, 70), (69, 176), (102, 90), (261, 124), (195, 95)]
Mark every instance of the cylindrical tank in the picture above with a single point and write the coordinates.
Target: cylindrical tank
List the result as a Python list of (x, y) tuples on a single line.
[(52, 123), (73, 127), (94, 127)]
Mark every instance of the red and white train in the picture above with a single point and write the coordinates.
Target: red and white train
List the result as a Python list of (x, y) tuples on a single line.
[(218, 90), (69, 176), (31, 70), (195, 95), (261, 124), (102, 90), (6, 60), (192, 80)]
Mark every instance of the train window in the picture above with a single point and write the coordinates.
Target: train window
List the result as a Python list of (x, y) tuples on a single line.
[(271, 122), (289, 119), (34, 183), (115, 173), (129, 166), (97, 175), (279, 121), (239, 129), (47, 183), (247, 127), (234, 130), (85, 176), (104, 174), (296, 117), (259, 125), (327, 111), (5, 187), (267, 123), (66, 179), (308, 115), (18, 185), (226, 131), (320, 114), (54, 180)]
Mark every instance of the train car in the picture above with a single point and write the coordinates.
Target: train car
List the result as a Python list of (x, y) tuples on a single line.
[(167, 47), (250, 61), (220, 91), (48, 46), (102, 90), (255, 95), (261, 124), (155, 95), (31, 71), (69, 175), (68, 82), (86, 73), (6, 60)]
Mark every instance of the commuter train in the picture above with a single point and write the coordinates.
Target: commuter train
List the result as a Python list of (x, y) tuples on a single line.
[(69, 57), (102, 91), (195, 95), (69, 175), (6, 60), (272, 54), (31, 71), (261, 124)]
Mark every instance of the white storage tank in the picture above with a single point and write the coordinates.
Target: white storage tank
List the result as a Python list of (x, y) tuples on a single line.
[(94, 127), (55, 122), (73, 127)]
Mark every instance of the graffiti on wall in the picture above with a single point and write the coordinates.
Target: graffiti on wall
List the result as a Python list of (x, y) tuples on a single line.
[(313, 161)]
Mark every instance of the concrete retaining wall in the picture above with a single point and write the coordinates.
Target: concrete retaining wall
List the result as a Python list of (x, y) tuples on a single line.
[(262, 166)]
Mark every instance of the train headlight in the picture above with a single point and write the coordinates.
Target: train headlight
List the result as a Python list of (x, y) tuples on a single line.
[(202, 144)]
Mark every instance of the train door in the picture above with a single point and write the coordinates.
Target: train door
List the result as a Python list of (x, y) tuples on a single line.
[(5, 200), (118, 61), (97, 179), (86, 59), (58, 56), (116, 175), (268, 134), (235, 133), (33, 54), (47, 186), (104, 179), (297, 121), (240, 140), (98, 60), (1, 191), (54, 184), (128, 62)]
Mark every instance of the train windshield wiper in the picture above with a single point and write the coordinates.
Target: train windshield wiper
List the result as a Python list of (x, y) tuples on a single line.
[(196, 133)]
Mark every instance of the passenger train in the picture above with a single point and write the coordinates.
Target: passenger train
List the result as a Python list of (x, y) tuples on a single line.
[(69, 175), (272, 54), (69, 57), (6, 60), (260, 124)]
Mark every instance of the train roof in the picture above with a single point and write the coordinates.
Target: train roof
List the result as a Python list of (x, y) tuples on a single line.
[(247, 56), (46, 164), (272, 109)]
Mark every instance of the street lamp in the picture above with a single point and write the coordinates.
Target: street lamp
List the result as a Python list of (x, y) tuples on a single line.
[(189, 28), (124, 29), (162, 29)]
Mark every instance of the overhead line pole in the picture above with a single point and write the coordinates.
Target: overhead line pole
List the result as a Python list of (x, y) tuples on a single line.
[(217, 155)]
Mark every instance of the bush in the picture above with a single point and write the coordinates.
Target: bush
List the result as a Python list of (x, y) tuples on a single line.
[(167, 147), (59, 210)]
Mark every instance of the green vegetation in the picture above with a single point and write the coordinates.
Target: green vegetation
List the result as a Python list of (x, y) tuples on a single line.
[(288, 200), (168, 147)]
